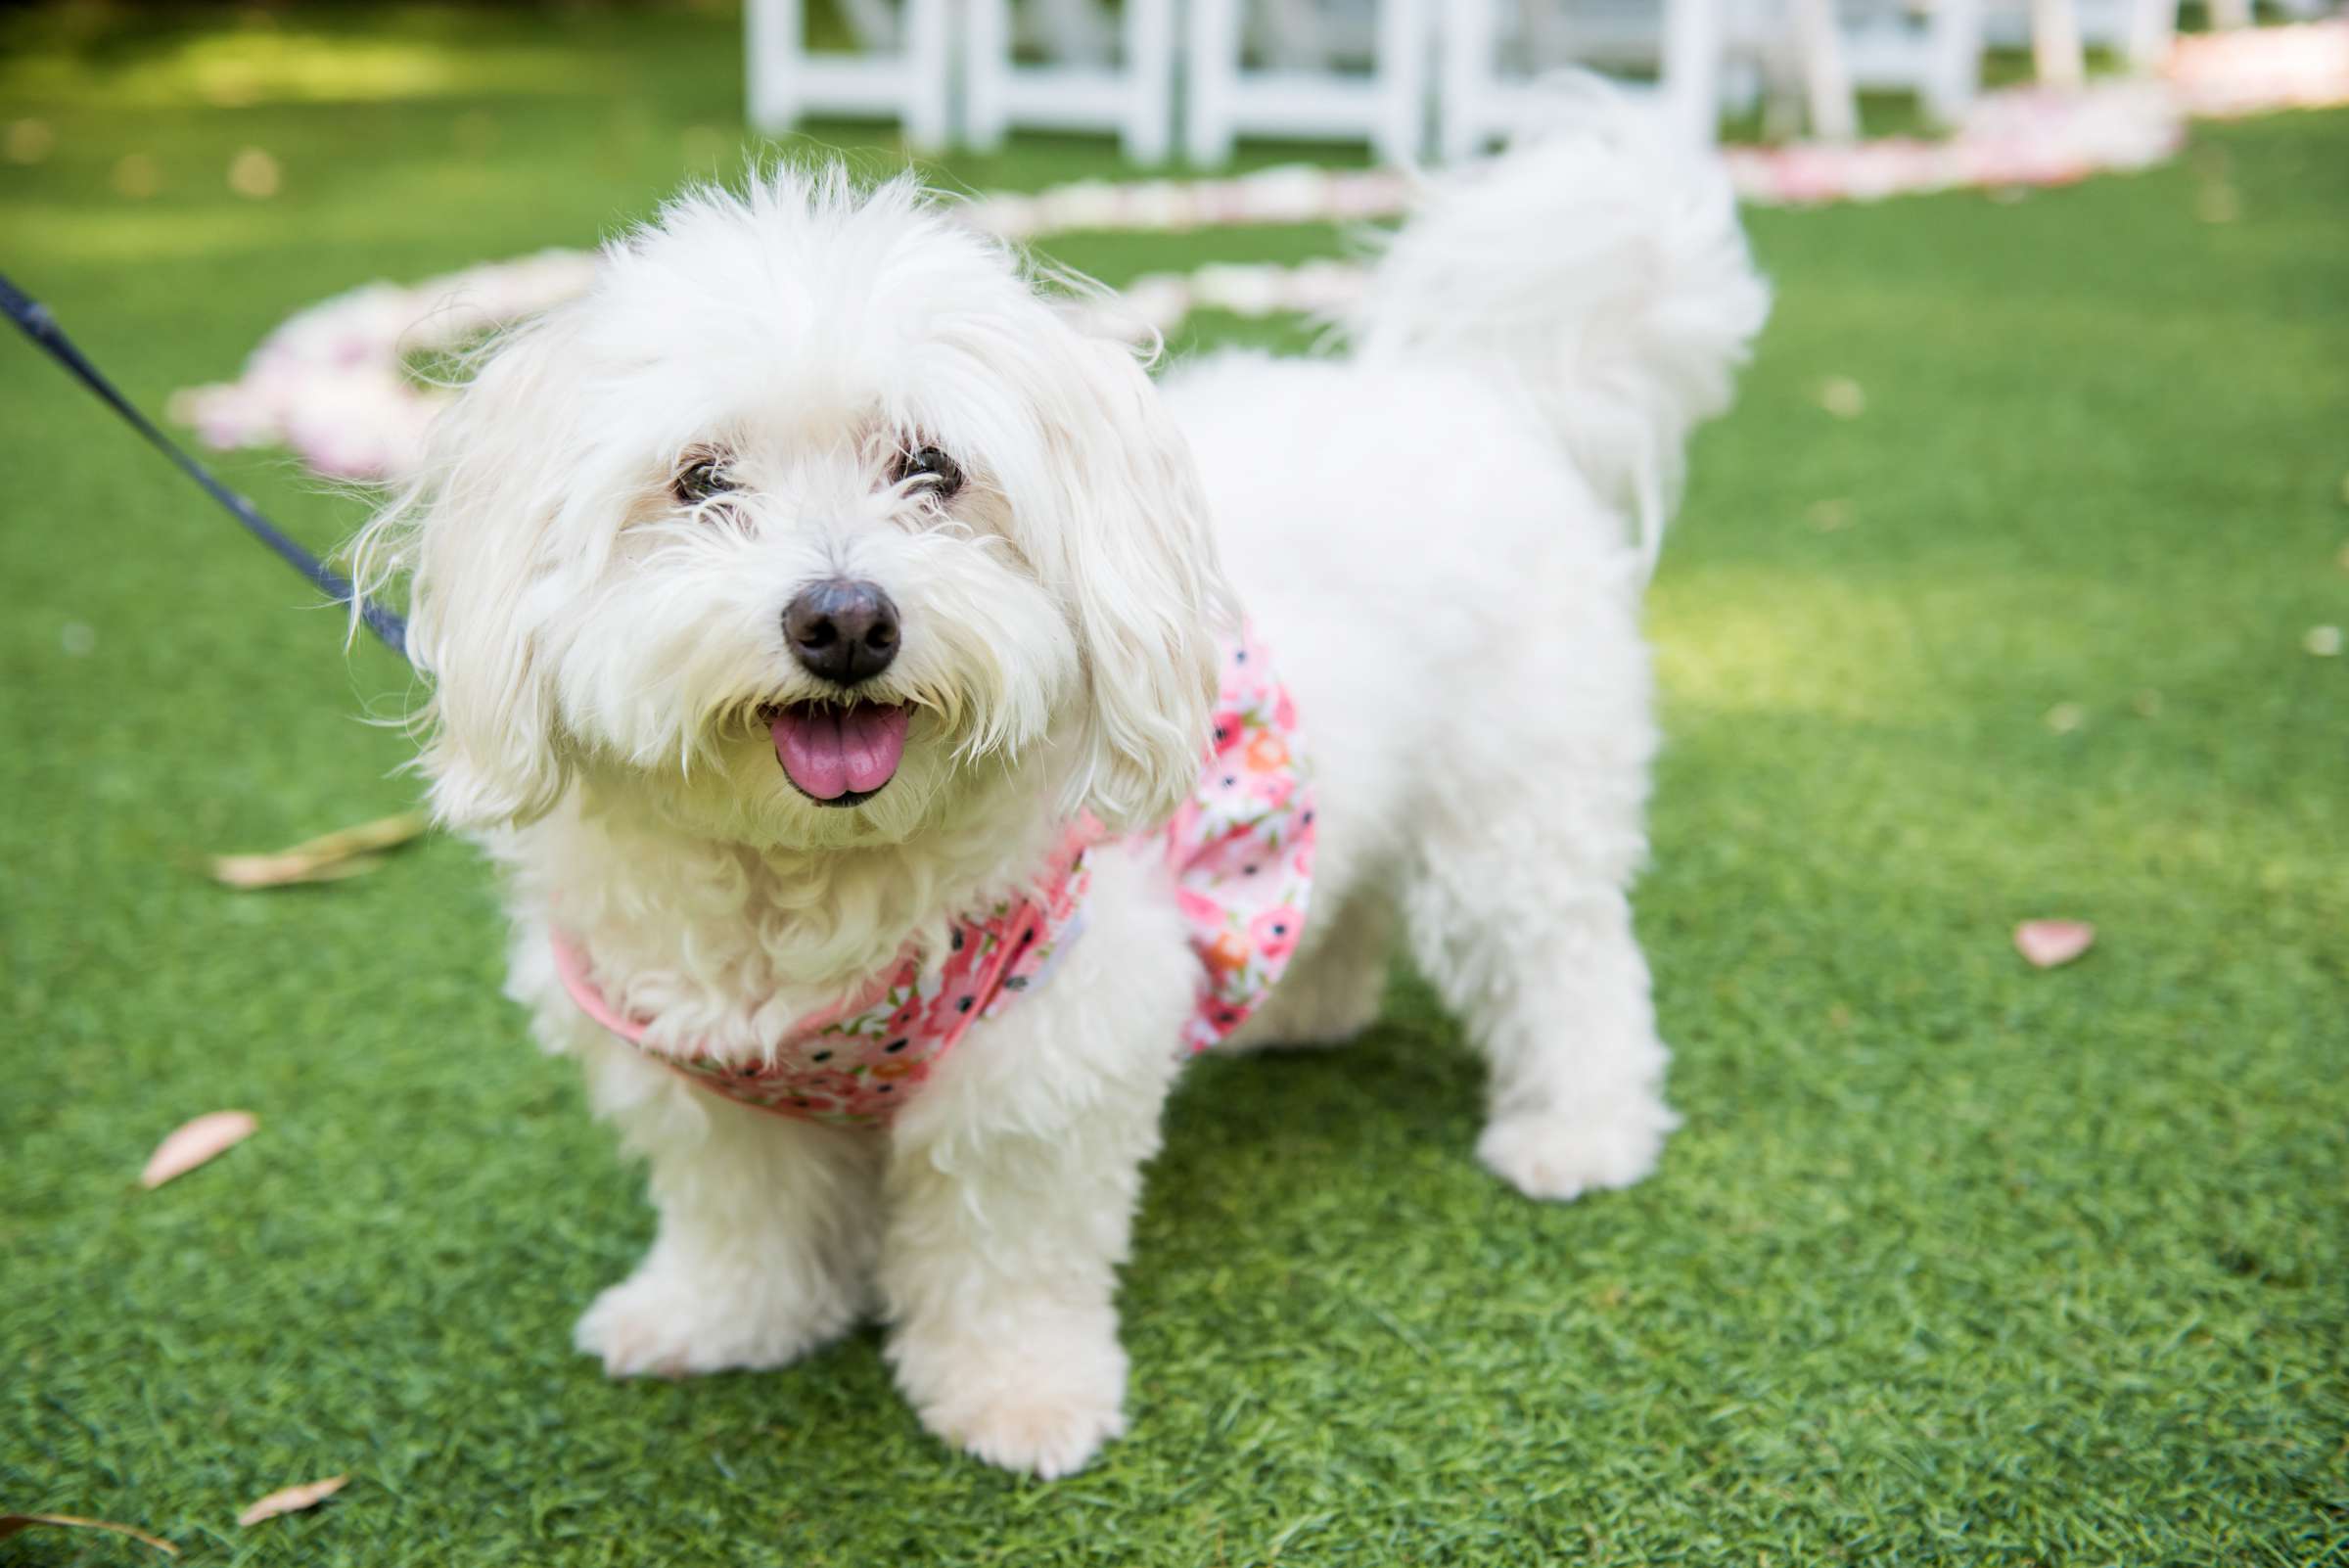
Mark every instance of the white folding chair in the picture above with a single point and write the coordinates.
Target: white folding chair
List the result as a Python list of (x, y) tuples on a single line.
[(2059, 33), (1100, 75), (1307, 99), (1934, 47), (909, 82), (1933, 50), (1696, 49), (1493, 54), (2140, 31)]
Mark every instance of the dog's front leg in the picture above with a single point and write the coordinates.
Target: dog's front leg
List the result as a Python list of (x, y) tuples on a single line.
[(1011, 1186), (767, 1236)]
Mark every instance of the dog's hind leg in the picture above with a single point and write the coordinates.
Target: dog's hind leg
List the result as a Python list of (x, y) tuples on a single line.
[(1522, 920)]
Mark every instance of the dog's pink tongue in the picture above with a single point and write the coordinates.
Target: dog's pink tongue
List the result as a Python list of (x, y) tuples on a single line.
[(830, 750)]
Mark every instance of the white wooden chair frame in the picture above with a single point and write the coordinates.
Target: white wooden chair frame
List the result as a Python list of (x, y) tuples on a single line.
[(1688, 45), (913, 85), (1227, 99), (1694, 45), (1134, 96)]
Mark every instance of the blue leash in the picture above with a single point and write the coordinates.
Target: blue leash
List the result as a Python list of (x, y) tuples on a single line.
[(33, 317)]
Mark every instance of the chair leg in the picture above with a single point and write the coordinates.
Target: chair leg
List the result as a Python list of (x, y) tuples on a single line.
[(773, 44), (1466, 74), (1690, 74), (986, 63), (1214, 60), (2152, 31), (1827, 79), (1149, 67), (1400, 67), (927, 109), (2055, 43), (1954, 70)]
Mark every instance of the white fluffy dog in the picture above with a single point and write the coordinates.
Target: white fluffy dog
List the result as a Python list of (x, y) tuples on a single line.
[(789, 596)]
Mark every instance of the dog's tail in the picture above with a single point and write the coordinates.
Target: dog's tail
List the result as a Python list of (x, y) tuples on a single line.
[(1598, 266)]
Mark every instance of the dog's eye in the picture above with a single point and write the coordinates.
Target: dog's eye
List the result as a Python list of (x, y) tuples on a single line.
[(943, 473), (700, 475)]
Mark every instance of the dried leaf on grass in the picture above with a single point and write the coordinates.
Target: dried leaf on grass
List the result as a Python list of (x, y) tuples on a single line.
[(2047, 944), (16, 1523), (191, 1143), (253, 173), (293, 1500), (349, 852)]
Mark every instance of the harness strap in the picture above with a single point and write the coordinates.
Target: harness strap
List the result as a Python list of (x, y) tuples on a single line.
[(33, 319)]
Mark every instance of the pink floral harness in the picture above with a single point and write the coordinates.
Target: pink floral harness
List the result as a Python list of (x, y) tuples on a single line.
[(1241, 850)]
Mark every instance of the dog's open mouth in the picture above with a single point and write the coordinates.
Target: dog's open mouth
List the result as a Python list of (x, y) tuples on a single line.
[(838, 754)]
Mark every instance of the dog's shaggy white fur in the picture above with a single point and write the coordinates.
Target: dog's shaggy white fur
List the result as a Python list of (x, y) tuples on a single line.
[(1443, 536)]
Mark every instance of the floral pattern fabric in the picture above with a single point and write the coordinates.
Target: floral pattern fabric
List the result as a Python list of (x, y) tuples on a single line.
[(1241, 850)]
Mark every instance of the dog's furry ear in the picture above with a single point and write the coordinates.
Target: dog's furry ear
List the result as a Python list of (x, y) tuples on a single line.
[(468, 531), (1137, 569)]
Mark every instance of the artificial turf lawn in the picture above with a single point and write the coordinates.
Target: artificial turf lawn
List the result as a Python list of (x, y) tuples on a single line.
[(1953, 1261)]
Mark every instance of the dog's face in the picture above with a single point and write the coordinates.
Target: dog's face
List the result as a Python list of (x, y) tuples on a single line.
[(813, 525)]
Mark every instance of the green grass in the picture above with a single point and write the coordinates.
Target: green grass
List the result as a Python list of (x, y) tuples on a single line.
[(1955, 1261)]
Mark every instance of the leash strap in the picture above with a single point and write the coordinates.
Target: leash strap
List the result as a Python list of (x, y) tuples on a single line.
[(34, 319)]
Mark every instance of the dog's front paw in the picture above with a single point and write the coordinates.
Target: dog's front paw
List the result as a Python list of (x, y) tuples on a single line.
[(663, 1321), (1047, 1431), (1558, 1155), (1042, 1408)]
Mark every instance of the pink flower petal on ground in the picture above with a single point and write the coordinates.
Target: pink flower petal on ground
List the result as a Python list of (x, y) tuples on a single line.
[(2046, 943), (293, 1500), (194, 1142)]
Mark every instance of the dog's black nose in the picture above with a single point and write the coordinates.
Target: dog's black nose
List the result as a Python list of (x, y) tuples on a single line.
[(841, 629)]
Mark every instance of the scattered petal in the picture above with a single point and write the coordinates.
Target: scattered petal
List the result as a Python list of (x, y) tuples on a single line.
[(293, 1500), (253, 173), (28, 141), (2323, 641), (2064, 717), (349, 852), (2046, 943), (76, 638), (16, 1523), (138, 175), (194, 1142), (1843, 398)]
